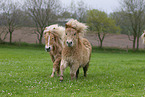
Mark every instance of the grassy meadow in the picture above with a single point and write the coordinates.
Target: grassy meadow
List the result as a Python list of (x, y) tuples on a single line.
[(25, 71)]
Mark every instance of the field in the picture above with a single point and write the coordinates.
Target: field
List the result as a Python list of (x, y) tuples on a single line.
[(25, 71)]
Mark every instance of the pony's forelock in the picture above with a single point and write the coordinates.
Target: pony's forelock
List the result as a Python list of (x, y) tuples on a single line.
[(80, 27), (50, 28), (56, 30)]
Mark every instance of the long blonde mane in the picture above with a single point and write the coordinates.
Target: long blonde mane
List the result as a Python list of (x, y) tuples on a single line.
[(56, 30), (80, 27)]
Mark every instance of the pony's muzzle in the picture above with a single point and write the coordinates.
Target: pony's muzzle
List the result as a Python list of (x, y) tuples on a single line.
[(48, 49), (69, 43)]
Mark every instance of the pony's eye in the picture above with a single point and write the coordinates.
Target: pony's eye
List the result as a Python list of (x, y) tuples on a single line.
[(74, 34), (66, 33), (52, 38)]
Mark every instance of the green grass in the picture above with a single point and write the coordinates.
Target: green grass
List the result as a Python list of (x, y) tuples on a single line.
[(25, 71)]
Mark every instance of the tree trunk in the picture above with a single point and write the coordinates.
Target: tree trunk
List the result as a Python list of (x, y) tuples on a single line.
[(10, 37), (137, 43), (101, 43), (138, 35), (101, 39), (134, 40), (40, 39)]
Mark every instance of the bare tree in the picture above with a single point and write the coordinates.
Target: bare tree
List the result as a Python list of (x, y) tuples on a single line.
[(10, 17), (82, 11), (43, 13), (3, 34), (133, 12), (78, 10)]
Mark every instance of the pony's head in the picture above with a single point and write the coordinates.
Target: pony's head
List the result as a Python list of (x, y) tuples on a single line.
[(74, 31), (53, 35), (49, 41)]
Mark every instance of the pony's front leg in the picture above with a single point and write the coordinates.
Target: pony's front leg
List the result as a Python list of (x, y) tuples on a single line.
[(63, 65), (53, 71), (73, 70), (56, 66)]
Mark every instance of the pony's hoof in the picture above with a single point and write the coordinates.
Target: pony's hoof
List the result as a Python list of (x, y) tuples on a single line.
[(52, 76), (61, 79)]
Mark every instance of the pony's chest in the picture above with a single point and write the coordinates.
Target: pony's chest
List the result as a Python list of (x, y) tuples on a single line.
[(72, 57), (53, 54), (68, 52)]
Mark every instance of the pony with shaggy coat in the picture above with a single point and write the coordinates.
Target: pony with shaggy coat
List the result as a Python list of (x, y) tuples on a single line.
[(53, 44), (77, 50)]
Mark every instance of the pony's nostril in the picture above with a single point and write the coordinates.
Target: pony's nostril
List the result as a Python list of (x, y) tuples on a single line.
[(48, 49), (70, 42)]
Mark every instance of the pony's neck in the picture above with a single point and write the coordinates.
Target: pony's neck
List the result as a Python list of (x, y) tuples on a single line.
[(57, 46), (58, 43)]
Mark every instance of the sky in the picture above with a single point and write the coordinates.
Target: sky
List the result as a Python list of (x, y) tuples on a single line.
[(104, 5)]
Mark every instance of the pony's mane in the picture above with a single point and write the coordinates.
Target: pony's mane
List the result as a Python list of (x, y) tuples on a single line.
[(55, 29), (80, 27)]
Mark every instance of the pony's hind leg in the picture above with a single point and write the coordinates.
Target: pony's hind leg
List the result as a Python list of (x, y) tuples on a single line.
[(77, 73), (85, 69), (58, 66)]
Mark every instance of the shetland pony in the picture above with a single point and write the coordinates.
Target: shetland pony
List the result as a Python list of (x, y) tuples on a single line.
[(76, 52), (53, 44)]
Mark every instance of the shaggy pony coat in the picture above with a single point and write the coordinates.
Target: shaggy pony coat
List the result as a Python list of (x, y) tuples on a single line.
[(53, 40), (77, 50)]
